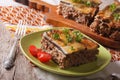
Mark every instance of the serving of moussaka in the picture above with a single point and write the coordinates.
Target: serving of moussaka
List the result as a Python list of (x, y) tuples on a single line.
[(69, 47), (81, 11), (107, 22)]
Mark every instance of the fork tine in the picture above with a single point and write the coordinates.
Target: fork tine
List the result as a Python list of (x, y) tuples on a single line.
[(23, 29), (24, 32), (17, 27)]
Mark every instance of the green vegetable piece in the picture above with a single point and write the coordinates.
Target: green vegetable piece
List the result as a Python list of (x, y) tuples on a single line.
[(112, 7), (78, 36), (66, 31), (56, 36), (69, 38), (116, 16), (88, 3)]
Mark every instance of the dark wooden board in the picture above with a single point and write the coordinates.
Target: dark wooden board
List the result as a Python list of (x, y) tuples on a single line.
[(53, 18)]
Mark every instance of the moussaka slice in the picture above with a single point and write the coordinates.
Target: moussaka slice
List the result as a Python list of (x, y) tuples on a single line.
[(107, 22), (81, 11), (69, 47)]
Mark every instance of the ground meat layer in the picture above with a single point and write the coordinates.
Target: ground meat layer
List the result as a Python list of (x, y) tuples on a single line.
[(66, 61)]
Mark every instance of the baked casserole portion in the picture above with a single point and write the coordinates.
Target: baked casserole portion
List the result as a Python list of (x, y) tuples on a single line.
[(69, 47)]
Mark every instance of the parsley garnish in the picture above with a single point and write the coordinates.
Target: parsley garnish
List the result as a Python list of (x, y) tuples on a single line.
[(56, 36), (112, 7), (78, 36), (88, 3), (66, 31), (116, 16), (69, 38)]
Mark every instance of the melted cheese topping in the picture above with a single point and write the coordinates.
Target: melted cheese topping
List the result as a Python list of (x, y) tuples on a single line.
[(106, 13), (73, 46), (85, 10)]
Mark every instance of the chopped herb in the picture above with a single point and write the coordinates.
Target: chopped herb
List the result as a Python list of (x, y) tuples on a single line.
[(56, 36), (116, 16), (72, 48), (88, 3), (112, 7), (78, 36), (69, 38), (66, 31)]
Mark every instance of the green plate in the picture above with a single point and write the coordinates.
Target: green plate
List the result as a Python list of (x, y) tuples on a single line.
[(103, 58)]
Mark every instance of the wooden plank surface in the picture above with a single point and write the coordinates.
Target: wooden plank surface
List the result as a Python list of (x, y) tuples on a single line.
[(23, 69)]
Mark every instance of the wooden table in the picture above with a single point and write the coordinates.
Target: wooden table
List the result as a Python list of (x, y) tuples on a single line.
[(23, 69)]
